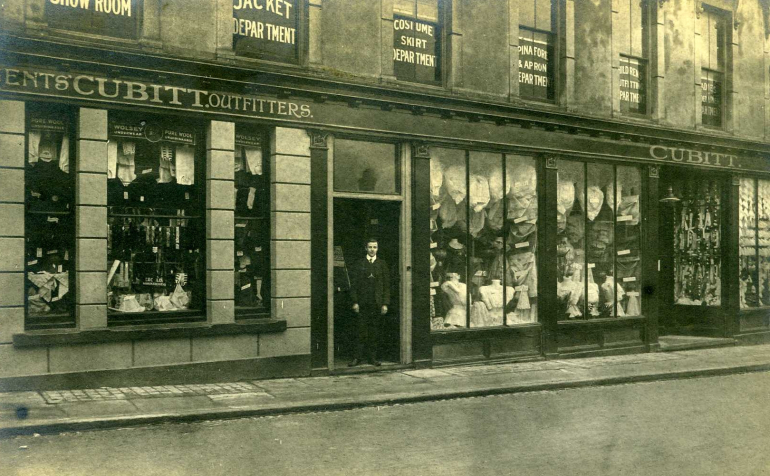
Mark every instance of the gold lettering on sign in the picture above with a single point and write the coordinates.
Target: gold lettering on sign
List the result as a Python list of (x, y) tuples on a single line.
[(692, 156), (110, 7)]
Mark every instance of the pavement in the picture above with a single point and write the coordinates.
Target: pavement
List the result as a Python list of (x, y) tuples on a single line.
[(45, 412)]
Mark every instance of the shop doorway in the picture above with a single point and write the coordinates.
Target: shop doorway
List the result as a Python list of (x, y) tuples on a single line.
[(355, 220), (693, 228)]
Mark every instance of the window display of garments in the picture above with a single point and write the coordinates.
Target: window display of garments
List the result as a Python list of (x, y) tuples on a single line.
[(64, 155), (522, 199), (495, 178), (146, 165), (33, 146), (476, 222), (494, 213), (47, 149), (495, 297), (479, 193), (599, 241), (593, 295), (633, 306), (448, 212), (610, 192), (126, 162), (455, 258), (607, 298), (522, 271), (595, 201), (167, 167), (565, 256), (454, 183), (456, 293), (436, 177), (629, 207), (51, 287), (480, 315), (565, 199), (112, 159), (254, 160), (185, 165), (570, 292), (525, 232)]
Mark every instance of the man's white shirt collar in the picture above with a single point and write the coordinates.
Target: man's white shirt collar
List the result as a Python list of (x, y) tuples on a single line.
[(371, 260)]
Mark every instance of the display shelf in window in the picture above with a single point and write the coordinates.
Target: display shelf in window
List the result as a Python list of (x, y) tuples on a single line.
[(156, 229), (252, 224), (49, 222)]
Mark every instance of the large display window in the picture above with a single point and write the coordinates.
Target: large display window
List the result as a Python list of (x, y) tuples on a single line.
[(483, 224), (49, 218), (754, 240), (599, 240), (252, 223), (155, 220)]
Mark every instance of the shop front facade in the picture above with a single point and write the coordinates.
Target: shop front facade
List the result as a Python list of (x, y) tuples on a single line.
[(192, 216)]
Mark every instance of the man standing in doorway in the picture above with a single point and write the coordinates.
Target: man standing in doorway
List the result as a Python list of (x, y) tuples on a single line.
[(370, 293)]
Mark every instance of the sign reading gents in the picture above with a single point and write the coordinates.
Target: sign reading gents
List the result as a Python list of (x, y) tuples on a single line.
[(266, 28), (102, 17)]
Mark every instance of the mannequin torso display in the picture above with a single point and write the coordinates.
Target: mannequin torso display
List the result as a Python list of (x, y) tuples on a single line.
[(456, 293), (495, 300)]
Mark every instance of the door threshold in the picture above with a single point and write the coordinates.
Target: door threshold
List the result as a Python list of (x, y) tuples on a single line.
[(673, 343), (342, 368)]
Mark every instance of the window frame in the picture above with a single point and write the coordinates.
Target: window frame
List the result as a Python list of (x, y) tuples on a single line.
[(756, 246), (135, 36), (441, 48), (555, 40), (722, 67), (645, 58), (302, 41)]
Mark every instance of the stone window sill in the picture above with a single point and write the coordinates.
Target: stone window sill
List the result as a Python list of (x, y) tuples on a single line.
[(127, 333)]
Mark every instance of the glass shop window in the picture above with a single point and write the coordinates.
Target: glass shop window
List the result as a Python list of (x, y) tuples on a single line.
[(156, 193), (599, 240), (368, 167), (697, 242), (633, 35), (252, 223), (754, 239), (712, 54), (483, 226), (49, 218), (417, 41), (537, 49)]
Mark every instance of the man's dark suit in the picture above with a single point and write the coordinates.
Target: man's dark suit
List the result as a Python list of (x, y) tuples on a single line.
[(370, 289)]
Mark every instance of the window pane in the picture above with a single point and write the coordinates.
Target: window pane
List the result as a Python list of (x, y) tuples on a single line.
[(527, 13), (449, 291), (711, 98), (536, 72), (703, 43), (487, 297), (404, 7), (427, 10), (633, 85), (49, 222), (600, 239), (543, 15), (155, 243), (697, 243), (747, 232), (763, 238), (252, 230), (638, 24), (574, 281), (416, 43), (628, 236), (365, 167), (521, 240)]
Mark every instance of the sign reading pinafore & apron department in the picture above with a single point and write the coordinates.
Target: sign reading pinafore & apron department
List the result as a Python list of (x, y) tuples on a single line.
[(116, 18), (266, 28)]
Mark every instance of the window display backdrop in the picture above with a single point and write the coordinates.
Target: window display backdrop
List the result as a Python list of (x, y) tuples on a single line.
[(754, 239), (697, 242), (483, 239), (599, 240), (252, 223), (155, 217), (49, 220)]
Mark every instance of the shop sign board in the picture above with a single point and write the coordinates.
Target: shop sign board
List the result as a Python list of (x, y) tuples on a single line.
[(535, 65), (633, 92), (47, 124), (116, 18), (266, 28), (415, 50), (121, 91), (153, 132)]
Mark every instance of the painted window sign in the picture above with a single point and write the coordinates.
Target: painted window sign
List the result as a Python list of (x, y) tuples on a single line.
[(711, 98), (266, 28), (116, 18), (633, 94), (415, 50), (535, 65)]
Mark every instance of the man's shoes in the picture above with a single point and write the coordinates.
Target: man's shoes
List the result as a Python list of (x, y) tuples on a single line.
[(374, 362), (354, 363)]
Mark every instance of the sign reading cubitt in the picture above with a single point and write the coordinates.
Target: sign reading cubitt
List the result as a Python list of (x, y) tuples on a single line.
[(102, 17), (692, 156), (266, 28)]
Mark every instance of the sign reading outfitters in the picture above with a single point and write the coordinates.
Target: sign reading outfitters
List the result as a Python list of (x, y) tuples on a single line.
[(116, 18), (266, 28)]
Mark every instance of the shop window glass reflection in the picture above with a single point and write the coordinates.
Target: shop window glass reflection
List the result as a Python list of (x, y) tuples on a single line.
[(483, 239), (599, 249), (156, 225), (754, 240), (368, 167), (49, 222)]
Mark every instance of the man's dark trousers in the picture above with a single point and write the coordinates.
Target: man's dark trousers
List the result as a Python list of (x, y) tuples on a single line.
[(370, 289)]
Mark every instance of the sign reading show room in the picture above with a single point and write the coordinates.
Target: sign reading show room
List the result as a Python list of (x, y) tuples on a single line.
[(102, 17), (266, 28)]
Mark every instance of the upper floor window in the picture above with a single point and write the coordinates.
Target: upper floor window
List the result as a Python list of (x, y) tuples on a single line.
[(537, 49), (417, 41), (267, 29), (634, 55), (712, 57), (117, 18)]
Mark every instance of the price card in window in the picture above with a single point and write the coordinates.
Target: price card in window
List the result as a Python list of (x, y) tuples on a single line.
[(624, 252), (435, 206), (245, 286), (187, 195), (53, 220), (240, 225), (629, 279), (632, 294), (257, 249), (434, 284), (479, 273), (521, 245), (625, 218), (239, 253), (39, 253), (141, 198), (591, 265), (521, 288), (433, 245), (32, 263), (125, 195), (519, 220), (432, 292)]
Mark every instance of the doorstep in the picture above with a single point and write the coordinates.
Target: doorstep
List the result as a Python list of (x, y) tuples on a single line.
[(674, 343)]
